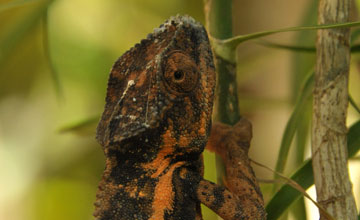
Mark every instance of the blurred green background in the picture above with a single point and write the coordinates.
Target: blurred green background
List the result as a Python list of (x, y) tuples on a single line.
[(55, 57)]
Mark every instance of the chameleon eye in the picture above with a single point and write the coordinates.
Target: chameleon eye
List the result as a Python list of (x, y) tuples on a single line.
[(178, 75), (180, 72)]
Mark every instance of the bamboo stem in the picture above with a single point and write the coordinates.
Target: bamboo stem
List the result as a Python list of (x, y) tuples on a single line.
[(219, 24), (333, 187)]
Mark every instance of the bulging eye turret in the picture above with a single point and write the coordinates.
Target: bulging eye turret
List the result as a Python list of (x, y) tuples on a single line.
[(180, 72)]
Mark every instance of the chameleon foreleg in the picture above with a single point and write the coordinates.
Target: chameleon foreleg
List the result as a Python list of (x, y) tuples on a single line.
[(241, 197)]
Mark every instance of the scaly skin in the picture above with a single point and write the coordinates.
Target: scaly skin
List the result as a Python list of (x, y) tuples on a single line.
[(154, 128)]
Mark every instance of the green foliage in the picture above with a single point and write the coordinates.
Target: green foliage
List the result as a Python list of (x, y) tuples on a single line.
[(226, 48), (51, 49), (305, 178), (55, 57), (86, 126), (295, 119), (20, 28)]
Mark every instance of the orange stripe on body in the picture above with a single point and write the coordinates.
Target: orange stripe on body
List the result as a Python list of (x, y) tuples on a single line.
[(160, 163), (164, 194)]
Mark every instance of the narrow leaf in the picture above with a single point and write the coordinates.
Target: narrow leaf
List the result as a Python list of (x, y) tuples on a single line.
[(47, 52), (355, 34), (305, 178), (302, 64), (15, 4), (355, 158), (81, 126), (297, 187), (10, 39), (226, 48), (297, 48), (234, 41), (293, 122), (355, 48), (294, 48), (353, 104)]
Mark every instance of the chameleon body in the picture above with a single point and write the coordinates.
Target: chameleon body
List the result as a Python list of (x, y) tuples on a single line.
[(155, 126)]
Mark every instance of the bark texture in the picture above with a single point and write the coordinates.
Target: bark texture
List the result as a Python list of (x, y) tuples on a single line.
[(333, 186)]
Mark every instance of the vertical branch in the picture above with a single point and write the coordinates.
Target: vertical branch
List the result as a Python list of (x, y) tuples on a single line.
[(218, 15), (333, 187), (219, 23)]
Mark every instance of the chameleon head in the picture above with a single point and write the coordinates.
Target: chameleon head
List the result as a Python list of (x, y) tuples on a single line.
[(165, 84)]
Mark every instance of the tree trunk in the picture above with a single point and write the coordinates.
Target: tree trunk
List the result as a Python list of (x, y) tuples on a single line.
[(333, 186)]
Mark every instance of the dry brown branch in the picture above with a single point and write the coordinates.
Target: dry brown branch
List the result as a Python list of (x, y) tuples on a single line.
[(333, 187)]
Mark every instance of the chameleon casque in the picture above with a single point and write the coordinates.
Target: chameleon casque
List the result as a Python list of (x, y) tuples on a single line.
[(155, 126)]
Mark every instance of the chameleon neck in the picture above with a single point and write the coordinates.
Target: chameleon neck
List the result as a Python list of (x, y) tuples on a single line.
[(124, 191), (139, 182)]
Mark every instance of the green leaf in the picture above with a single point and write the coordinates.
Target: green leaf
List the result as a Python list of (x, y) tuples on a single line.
[(355, 34), (305, 178), (10, 39), (353, 139), (235, 41), (301, 65), (310, 49), (20, 29), (353, 104), (294, 48), (355, 48), (226, 48), (294, 121), (15, 4), (297, 48), (47, 52), (83, 127)]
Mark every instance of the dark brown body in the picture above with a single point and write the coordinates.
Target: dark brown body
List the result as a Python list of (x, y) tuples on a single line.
[(138, 184), (154, 129)]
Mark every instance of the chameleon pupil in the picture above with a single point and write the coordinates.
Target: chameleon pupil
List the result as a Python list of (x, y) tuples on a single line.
[(178, 75)]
